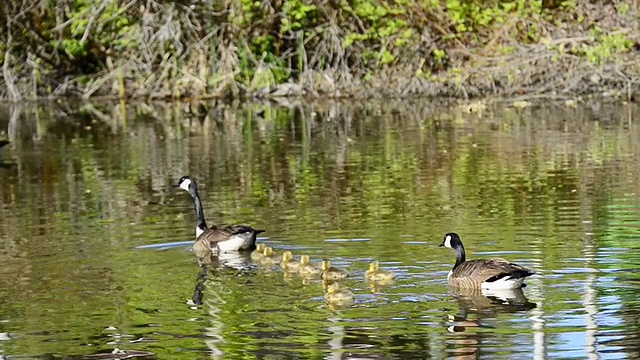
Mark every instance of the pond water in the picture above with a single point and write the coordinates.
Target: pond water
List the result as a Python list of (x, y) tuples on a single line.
[(554, 188)]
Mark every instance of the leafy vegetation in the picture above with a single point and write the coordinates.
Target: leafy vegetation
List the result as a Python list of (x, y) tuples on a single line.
[(168, 49)]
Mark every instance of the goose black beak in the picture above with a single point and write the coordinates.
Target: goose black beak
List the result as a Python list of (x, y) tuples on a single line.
[(175, 185), (441, 244)]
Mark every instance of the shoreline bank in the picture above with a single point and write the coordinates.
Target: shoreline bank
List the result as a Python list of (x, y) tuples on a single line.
[(314, 49)]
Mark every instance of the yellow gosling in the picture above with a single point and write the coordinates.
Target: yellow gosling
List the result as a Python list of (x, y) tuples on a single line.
[(306, 269), (337, 296), (269, 257), (256, 255), (376, 275), (331, 273), (288, 264)]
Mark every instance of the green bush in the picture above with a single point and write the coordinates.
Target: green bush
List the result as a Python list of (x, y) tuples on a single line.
[(179, 48)]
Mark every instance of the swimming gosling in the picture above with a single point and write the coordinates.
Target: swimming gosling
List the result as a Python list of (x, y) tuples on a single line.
[(288, 264), (337, 296), (306, 269), (256, 255), (269, 257), (376, 275), (331, 273)]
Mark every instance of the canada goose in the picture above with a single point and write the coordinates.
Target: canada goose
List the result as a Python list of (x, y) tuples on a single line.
[(495, 274), (288, 264), (256, 255), (306, 269), (375, 274), (217, 238), (331, 273), (337, 296)]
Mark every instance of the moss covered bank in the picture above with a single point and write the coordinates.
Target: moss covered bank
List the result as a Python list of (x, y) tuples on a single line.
[(231, 48)]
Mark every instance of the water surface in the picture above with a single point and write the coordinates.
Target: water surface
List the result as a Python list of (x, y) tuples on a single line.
[(82, 186)]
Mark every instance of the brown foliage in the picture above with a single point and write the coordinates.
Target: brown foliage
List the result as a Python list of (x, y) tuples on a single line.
[(221, 48)]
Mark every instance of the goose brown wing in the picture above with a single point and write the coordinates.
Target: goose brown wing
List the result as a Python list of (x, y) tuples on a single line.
[(482, 270), (222, 233), (208, 241)]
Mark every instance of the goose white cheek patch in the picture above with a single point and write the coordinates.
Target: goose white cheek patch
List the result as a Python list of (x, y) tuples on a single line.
[(447, 241), (185, 184)]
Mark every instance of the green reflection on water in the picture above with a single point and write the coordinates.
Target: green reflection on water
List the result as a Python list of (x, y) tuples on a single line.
[(546, 187)]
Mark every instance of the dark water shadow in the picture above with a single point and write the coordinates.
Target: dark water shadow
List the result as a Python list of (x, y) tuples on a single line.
[(4, 164), (198, 291)]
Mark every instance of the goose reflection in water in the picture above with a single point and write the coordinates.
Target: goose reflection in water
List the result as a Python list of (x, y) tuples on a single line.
[(232, 260), (482, 304), (238, 261)]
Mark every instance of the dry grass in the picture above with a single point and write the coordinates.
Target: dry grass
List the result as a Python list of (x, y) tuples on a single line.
[(209, 49)]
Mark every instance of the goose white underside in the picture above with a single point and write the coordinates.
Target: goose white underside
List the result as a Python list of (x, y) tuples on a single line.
[(236, 242), (505, 283), (503, 294), (242, 241)]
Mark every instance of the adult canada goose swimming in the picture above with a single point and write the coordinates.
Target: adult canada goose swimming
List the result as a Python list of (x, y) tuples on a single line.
[(495, 274), (217, 238)]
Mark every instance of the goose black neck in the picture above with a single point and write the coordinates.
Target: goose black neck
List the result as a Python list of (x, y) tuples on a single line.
[(460, 255), (202, 224)]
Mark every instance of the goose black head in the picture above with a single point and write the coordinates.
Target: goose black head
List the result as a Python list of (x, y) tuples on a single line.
[(186, 183), (451, 240)]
